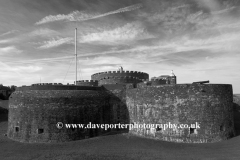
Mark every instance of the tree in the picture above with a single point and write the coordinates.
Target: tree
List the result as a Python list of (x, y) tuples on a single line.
[(13, 88)]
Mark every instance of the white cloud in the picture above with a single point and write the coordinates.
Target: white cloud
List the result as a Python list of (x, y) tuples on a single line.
[(27, 68), (9, 32), (44, 32), (101, 61), (83, 16), (5, 41), (19, 69), (9, 50), (130, 31), (70, 17), (223, 11), (56, 42), (9, 40)]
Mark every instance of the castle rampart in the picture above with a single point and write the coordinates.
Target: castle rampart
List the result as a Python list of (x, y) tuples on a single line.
[(210, 105), (155, 82), (118, 80), (34, 113), (57, 87), (87, 83), (102, 75)]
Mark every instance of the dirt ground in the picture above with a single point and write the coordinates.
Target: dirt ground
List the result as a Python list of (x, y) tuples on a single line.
[(118, 147)]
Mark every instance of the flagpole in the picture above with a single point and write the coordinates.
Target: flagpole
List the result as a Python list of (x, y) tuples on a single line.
[(76, 55)]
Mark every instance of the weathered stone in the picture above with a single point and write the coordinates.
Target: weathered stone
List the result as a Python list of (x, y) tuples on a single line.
[(34, 111)]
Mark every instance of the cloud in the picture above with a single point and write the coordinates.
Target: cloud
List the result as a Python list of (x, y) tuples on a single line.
[(130, 31), (83, 16), (56, 42), (59, 17), (98, 69), (9, 50), (43, 32), (101, 61), (5, 41), (223, 11), (24, 73), (9, 32), (43, 60), (29, 69), (193, 18)]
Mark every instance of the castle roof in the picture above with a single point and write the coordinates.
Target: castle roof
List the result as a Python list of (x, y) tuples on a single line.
[(164, 76)]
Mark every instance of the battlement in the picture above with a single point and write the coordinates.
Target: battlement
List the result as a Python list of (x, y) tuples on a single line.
[(87, 83), (57, 86), (117, 72), (43, 84), (124, 74), (117, 77), (158, 79)]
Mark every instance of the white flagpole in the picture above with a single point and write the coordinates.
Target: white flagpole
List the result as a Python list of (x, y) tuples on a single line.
[(76, 55)]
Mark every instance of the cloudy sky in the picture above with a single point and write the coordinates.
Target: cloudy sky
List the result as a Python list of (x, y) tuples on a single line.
[(198, 39)]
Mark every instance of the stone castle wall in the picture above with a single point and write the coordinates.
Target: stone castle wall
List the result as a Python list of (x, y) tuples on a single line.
[(118, 80), (34, 113), (49, 86), (155, 82), (102, 75), (210, 105), (35, 110), (87, 83)]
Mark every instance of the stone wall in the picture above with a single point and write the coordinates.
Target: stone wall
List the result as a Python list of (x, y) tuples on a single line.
[(35, 110), (102, 75), (87, 83), (119, 80), (210, 105), (33, 114)]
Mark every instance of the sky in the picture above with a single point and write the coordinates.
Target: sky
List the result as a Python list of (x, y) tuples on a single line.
[(198, 39)]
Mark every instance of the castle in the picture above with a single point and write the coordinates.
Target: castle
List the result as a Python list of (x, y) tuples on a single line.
[(126, 97)]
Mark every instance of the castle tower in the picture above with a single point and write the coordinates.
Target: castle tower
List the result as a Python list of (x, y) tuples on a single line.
[(119, 77), (172, 78)]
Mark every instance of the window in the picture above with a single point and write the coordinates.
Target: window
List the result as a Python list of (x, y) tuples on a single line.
[(40, 131), (16, 129), (193, 131), (222, 128), (158, 128)]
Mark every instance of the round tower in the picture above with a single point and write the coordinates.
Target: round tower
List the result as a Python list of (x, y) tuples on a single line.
[(203, 113), (119, 77)]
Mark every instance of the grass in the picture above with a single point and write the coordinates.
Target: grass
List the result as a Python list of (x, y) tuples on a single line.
[(119, 147)]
